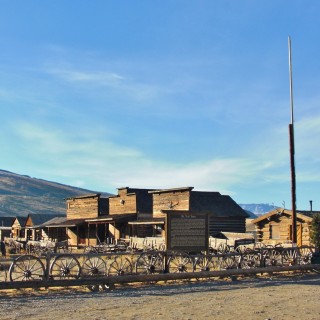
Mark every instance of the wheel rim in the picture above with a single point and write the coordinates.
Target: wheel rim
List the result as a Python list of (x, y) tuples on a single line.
[(26, 268)]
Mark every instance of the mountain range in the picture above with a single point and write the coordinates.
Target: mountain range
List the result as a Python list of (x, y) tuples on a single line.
[(22, 194)]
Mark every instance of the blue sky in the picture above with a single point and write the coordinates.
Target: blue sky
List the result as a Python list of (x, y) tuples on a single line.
[(161, 94)]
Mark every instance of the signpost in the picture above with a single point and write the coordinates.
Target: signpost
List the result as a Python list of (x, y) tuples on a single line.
[(186, 231)]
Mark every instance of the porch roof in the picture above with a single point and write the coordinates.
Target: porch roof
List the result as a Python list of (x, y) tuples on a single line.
[(147, 222), (112, 218)]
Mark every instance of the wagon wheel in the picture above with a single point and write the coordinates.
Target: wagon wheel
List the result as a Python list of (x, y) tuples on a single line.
[(223, 248), (290, 256), (229, 262), (205, 263), (305, 255), (120, 266), (249, 260), (273, 258), (180, 262), (150, 263), (26, 268), (93, 267), (65, 266)]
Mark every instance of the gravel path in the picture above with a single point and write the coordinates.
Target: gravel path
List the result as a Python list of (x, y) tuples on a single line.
[(291, 297)]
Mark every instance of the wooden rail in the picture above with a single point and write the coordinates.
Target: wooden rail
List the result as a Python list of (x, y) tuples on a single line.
[(112, 280)]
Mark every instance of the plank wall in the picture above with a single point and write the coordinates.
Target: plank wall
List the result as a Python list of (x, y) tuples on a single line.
[(175, 200), (83, 208), (123, 204)]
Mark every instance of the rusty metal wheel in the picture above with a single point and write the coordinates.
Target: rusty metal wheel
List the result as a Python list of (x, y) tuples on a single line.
[(180, 262), (26, 268), (65, 266), (150, 263), (120, 266)]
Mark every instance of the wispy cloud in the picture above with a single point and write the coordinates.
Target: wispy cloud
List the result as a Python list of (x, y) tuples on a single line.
[(99, 162)]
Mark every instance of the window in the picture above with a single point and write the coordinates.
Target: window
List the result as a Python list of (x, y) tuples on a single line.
[(274, 232)]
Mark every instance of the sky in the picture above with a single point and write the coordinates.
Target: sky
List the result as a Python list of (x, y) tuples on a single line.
[(105, 94)]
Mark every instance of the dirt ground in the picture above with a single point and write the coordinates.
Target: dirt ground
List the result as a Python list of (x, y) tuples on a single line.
[(278, 297)]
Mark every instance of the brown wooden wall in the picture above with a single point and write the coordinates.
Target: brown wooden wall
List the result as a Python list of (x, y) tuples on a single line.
[(284, 224), (174, 200), (123, 204), (83, 208)]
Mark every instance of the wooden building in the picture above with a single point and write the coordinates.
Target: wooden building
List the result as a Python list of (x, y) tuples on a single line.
[(5, 227), (18, 228), (140, 213), (80, 211), (34, 226), (128, 211), (276, 227), (225, 215)]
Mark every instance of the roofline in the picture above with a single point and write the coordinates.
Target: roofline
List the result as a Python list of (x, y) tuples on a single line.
[(85, 196), (280, 211), (171, 190)]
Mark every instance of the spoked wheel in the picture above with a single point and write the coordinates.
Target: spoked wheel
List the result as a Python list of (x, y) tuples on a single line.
[(26, 268), (205, 263), (150, 263), (65, 266), (249, 260), (273, 258), (290, 256), (180, 262), (93, 267), (305, 255), (120, 266), (223, 248), (229, 262)]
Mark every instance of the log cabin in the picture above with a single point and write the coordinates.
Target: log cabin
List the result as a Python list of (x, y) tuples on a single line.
[(276, 227)]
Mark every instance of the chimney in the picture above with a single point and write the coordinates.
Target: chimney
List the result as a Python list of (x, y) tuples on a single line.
[(310, 206)]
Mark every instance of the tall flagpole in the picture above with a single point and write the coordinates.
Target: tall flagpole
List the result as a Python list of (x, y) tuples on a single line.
[(292, 152)]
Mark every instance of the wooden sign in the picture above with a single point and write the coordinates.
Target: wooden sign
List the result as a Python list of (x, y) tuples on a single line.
[(187, 231)]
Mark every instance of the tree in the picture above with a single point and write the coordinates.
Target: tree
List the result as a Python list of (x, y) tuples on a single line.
[(315, 231)]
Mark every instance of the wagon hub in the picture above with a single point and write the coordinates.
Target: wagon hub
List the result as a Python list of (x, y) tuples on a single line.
[(27, 274), (65, 271), (151, 268), (181, 268), (94, 271)]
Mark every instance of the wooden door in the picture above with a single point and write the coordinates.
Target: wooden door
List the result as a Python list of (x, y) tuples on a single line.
[(299, 235)]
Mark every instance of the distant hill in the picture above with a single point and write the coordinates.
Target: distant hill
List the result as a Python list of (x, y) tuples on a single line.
[(257, 209), (21, 195)]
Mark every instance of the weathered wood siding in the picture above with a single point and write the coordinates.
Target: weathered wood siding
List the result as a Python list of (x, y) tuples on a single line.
[(226, 224), (123, 204), (83, 208), (284, 223), (175, 200)]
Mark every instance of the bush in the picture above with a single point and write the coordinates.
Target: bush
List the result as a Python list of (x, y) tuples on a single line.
[(315, 231)]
